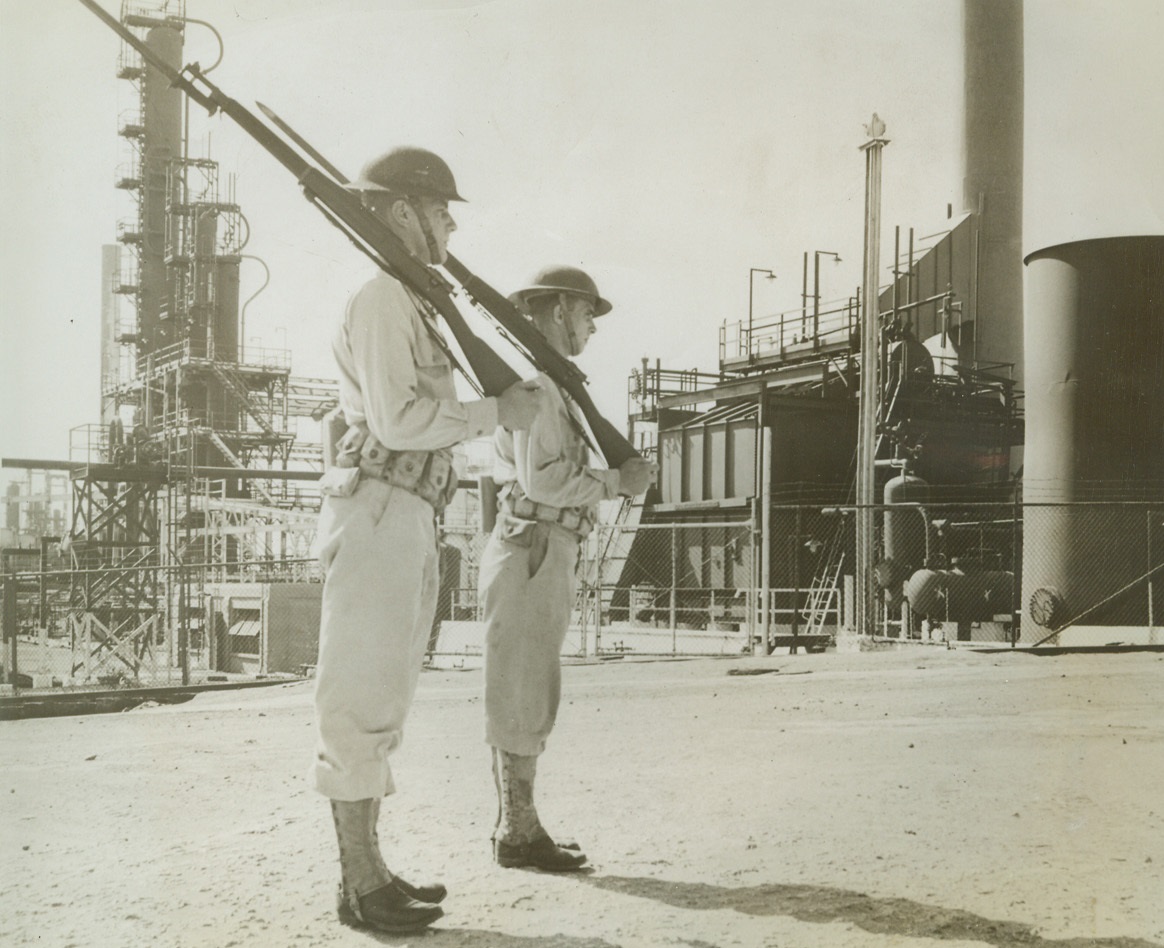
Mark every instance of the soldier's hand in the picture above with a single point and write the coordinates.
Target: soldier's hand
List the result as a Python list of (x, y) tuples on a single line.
[(635, 475), (519, 404)]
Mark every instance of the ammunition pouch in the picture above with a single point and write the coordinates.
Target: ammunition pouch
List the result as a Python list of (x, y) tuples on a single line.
[(429, 475), (577, 520)]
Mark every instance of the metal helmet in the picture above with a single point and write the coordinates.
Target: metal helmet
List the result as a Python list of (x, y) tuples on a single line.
[(410, 171), (561, 279)]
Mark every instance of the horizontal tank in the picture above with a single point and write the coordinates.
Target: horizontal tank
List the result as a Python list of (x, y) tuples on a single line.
[(956, 596)]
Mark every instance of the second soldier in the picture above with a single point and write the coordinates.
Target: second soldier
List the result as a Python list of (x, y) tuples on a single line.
[(548, 503)]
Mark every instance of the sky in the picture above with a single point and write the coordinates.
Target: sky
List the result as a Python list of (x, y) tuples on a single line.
[(667, 146)]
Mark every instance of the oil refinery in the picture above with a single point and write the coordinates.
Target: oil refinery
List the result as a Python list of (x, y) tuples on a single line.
[(968, 450)]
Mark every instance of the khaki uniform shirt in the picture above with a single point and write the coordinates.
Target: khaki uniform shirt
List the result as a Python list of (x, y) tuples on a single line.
[(550, 460), (395, 377)]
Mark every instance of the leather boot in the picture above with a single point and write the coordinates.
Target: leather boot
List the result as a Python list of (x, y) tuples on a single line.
[(540, 853), (428, 892), (520, 840), (368, 898), (563, 843)]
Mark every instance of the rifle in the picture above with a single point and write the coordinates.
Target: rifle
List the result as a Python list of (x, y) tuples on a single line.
[(374, 238), (615, 448)]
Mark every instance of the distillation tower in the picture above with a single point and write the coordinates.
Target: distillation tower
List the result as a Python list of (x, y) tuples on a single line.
[(197, 471)]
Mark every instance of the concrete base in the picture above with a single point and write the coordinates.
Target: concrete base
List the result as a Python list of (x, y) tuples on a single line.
[(1093, 635), (863, 643)]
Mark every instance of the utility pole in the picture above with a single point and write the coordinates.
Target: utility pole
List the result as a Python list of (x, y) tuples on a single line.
[(870, 341)]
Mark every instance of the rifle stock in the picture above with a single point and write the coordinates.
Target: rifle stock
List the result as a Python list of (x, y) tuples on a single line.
[(375, 239)]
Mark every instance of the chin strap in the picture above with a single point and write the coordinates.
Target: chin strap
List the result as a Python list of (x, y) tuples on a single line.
[(571, 335), (413, 201), (572, 339), (426, 229)]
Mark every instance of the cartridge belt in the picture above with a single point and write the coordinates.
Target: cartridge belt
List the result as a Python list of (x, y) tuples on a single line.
[(427, 474), (578, 520)]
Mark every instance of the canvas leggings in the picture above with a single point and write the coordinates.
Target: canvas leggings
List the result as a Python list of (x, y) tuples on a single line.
[(526, 617), (379, 554)]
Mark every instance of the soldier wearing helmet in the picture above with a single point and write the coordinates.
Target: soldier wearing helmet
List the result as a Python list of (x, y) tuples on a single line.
[(376, 540), (425, 185), (548, 503)]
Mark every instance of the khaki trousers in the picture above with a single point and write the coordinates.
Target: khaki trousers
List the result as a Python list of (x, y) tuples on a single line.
[(526, 617), (379, 554)]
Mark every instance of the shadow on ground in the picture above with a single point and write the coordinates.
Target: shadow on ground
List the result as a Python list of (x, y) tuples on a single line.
[(878, 916)]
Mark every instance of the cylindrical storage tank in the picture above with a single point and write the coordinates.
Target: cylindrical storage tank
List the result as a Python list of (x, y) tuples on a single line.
[(955, 596), (202, 287), (225, 319), (223, 316), (1094, 405), (904, 531)]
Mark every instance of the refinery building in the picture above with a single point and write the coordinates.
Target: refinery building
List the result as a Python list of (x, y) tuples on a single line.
[(965, 449)]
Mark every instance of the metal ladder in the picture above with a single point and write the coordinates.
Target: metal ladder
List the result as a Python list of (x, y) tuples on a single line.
[(601, 564), (823, 596)]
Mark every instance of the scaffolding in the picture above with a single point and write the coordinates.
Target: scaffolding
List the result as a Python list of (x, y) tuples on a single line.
[(115, 581), (198, 471)]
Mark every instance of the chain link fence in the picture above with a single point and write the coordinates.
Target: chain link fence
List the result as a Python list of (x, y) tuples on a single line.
[(940, 572), (667, 589), (1078, 574), (648, 590), (1000, 574), (1092, 573), (159, 626)]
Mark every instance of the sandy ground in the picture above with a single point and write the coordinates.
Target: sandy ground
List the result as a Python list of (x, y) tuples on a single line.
[(907, 798)]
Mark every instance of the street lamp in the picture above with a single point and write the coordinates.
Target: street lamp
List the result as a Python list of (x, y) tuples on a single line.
[(769, 275), (816, 255)]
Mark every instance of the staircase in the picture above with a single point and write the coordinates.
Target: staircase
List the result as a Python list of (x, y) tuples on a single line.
[(235, 461), (234, 384)]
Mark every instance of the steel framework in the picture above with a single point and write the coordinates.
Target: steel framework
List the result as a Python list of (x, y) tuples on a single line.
[(114, 548)]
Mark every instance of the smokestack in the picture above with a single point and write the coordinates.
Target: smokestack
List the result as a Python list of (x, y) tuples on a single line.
[(992, 183)]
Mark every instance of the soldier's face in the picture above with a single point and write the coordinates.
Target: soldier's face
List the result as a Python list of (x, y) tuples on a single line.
[(404, 216), (578, 316), (441, 222)]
